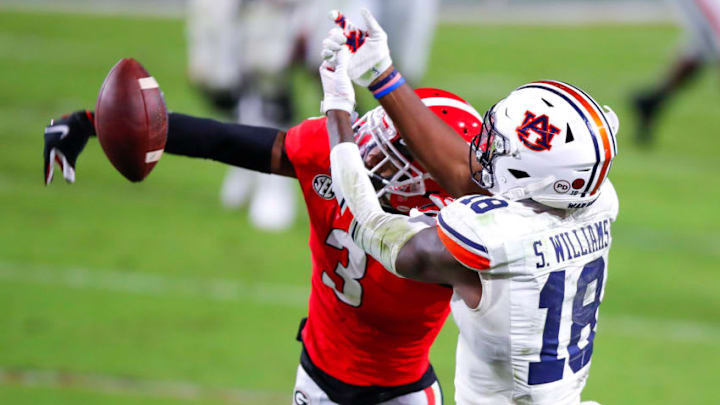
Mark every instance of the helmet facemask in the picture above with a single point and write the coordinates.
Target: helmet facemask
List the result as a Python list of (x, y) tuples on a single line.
[(407, 180), (485, 147), (485, 150), (400, 180)]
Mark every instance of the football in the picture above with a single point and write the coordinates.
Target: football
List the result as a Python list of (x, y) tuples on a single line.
[(131, 119)]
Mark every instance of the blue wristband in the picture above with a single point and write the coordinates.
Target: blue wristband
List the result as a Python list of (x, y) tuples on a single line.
[(383, 82), (390, 89)]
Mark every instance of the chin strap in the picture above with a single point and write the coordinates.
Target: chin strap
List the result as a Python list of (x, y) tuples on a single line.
[(377, 232), (527, 191)]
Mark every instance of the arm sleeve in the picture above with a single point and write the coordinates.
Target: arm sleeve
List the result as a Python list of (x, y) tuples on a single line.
[(238, 145), (382, 235)]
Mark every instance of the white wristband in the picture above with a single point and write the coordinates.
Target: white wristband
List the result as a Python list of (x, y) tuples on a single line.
[(377, 232)]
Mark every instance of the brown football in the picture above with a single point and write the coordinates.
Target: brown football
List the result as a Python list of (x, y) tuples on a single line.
[(131, 119)]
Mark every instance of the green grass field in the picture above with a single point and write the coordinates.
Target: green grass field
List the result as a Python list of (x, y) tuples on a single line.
[(151, 293)]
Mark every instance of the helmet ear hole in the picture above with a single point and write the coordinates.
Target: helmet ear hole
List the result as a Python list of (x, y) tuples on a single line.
[(518, 174)]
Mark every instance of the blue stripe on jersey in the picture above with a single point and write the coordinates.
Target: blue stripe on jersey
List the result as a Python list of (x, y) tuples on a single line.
[(459, 236)]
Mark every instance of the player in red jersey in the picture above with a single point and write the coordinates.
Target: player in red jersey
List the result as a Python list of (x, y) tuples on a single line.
[(355, 350)]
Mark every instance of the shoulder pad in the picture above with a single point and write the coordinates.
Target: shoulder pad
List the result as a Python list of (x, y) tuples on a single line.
[(462, 229)]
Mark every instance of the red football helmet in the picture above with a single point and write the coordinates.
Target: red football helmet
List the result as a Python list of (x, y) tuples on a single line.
[(410, 186)]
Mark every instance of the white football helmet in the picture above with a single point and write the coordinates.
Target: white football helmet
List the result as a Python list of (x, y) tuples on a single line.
[(548, 141)]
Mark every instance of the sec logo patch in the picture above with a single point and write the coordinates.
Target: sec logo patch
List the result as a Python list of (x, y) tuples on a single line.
[(300, 398), (322, 184)]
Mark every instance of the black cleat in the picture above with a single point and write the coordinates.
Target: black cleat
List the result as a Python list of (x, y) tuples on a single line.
[(646, 106)]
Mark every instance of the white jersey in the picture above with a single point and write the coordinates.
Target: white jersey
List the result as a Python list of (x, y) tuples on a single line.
[(530, 340)]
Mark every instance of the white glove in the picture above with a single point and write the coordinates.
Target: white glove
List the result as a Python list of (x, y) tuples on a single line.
[(433, 208), (370, 55), (338, 91)]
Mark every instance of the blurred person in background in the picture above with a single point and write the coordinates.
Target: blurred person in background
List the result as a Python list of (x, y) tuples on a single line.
[(240, 53), (702, 22)]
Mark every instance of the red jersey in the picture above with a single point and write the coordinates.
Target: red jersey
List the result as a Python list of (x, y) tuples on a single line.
[(365, 326)]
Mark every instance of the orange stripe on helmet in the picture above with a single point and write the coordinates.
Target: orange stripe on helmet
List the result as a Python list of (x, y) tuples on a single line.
[(464, 256), (598, 122)]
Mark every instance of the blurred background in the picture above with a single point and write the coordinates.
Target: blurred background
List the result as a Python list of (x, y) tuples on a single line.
[(158, 293)]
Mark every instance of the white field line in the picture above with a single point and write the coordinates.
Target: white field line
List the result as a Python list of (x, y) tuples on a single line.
[(180, 390), (670, 330), (216, 289)]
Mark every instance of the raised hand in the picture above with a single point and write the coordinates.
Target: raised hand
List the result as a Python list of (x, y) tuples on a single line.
[(65, 138), (338, 91), (369, 52)]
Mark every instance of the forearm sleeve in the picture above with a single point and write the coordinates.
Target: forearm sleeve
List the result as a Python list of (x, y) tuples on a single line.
[(377, 232), (238, 145)]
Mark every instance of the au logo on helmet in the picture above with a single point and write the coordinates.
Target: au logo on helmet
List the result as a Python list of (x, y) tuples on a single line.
[(543, 131)]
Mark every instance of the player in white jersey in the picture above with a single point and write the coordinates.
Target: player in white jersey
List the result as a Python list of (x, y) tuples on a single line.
[(540, 243), (531, 338)]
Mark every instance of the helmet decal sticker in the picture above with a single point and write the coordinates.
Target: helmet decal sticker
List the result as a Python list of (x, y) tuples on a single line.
[(536, 132), (561, 186)]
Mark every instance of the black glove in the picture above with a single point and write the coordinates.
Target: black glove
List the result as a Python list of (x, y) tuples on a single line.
[(65, 138)]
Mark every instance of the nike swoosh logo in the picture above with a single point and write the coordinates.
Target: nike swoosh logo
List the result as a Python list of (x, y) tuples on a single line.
[(62, 129)]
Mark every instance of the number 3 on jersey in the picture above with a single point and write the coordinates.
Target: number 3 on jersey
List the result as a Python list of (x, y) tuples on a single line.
[(351, 292), (584, 314)]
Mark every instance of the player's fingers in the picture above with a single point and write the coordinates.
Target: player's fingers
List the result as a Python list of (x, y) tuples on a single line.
[(342, 57), (436, 200), (439, 200), (338, 18), (343, 22), (327, 54), (49, 154), (337, 35), (330, 45), (370, 22), (67, 169), (329, 64)]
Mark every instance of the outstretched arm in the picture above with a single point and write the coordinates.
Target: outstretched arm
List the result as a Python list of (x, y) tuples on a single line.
[(255, 148)]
